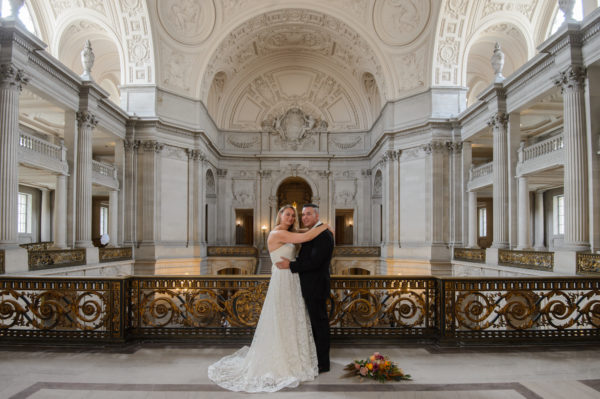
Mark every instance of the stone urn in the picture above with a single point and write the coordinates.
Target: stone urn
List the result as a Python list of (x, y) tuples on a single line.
[(566, 6), (497, 62), (15, 6), (87, 60)]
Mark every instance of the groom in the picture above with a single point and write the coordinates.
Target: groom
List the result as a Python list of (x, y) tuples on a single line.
[(312, 266)]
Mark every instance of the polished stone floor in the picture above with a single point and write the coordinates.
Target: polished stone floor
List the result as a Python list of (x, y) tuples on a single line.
[(179, 371)]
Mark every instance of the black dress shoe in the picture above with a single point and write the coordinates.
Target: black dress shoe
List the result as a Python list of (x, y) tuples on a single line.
[(323, 369)]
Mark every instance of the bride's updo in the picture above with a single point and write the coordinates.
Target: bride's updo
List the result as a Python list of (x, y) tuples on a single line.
[(295, 226)]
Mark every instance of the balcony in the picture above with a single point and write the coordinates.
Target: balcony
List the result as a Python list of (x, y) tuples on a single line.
[(105, 175), (546, 154), (481, 176), (41, 154)]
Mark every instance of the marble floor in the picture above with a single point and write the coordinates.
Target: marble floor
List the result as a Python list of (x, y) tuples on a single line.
[(179, 371)]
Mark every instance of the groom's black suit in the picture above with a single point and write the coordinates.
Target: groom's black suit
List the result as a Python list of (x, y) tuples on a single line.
[(312, 266)]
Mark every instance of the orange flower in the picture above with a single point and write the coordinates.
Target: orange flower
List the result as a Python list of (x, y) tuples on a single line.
[(370, 366), (372, 358)]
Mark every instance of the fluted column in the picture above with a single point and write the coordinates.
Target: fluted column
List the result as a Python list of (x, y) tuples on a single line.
[(130, 186), (60, 212), (539, 221), (391, 202), (11, 83), (85, 124), (498, 123), (473, 219), (113, 217), (524, 214), (45, 233), (572, 83)]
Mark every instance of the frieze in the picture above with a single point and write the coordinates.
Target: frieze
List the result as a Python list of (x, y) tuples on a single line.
[(196, 155), (221, 173), (265, 174), (366, 172), (347, 145), (243, 144), (172, 152)]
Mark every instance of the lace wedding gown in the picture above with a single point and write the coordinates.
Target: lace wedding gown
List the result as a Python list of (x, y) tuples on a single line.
[(283, 351)]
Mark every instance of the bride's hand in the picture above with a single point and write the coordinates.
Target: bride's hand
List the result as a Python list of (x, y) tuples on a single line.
[(329, 228)]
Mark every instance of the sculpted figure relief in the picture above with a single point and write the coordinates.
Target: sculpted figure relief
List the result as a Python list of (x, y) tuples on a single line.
[(294, 126)]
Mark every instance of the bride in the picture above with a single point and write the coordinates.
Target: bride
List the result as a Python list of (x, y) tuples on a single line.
[(283, 351)]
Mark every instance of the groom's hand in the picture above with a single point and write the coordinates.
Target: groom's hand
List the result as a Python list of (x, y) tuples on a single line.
[(284, 263)]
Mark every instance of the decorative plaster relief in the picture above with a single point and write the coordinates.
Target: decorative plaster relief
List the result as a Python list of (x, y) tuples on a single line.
[(294, 128), (345, 192), (346, 144), (60, 6), (175, 153), (400, 22), (177, 68), (378, 185), (243, 191), (451, 34), (410, 71), (187, 21), (244, 144), (523, 7)]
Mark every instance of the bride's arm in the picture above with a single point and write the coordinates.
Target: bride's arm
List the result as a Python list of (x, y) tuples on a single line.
[(298, 238)]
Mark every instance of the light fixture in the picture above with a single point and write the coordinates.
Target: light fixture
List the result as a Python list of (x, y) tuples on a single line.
[(264, 228)]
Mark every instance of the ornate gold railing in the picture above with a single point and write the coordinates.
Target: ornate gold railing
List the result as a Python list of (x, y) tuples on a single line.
[(588, 263), (527, 259), (2, 267), (533, 310), (232, 251), (374, 252), (68, 309), (470, 254), (38, 246), (110, 254), (53, 258)]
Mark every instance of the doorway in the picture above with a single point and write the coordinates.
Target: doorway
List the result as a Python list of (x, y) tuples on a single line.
[(294, 191), (244, 222), (344, 226)]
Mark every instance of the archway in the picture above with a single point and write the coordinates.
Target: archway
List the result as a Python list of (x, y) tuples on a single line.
[(295, 191)]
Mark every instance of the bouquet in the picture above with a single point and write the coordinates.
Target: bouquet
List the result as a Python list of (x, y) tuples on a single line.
[(377, 367)]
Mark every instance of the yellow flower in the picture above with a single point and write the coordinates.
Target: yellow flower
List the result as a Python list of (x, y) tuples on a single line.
[(372, 358), (370, 366)]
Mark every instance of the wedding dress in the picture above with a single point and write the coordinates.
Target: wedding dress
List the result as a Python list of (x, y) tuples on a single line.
[(283, 351)]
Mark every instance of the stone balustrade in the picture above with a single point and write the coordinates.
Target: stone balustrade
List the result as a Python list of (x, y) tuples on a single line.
[(482, 170), (104, 174), (34, 144), (38, 246), (542, 148)]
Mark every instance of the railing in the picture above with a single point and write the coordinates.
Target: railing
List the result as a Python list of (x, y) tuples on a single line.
[(542, 148), (373, 252), (232, 251), (527, 259), (588, 263), (54, 258), (39, 146), (458, 310), (470, 254), (481, 170), (111, 254), (104, 169), (2, 267), (37, 246)]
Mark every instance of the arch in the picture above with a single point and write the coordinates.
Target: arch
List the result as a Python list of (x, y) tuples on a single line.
[(211, 186), (300, 194), (303, 176)]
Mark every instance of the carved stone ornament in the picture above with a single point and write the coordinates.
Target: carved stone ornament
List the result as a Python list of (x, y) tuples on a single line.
[(87, 60), (572, 78), (12, 77), (187, 21), (566, 6), (400, 22), (86, 119), (294, 126), (498, 120), (497, 62), (131, 145), (196, 155), (152, 146)]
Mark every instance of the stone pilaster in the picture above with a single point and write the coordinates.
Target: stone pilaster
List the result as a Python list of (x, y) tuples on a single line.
[(113, 217), (60, 212), (524, 215), (149, 190), (11, 83), (45, 215), (498, 122), (391, 195), (472, 220), (86, 122), (572, 82), (130, 195), (539, 221)]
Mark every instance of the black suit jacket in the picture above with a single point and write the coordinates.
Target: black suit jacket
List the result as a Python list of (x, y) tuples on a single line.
[(312, 266)]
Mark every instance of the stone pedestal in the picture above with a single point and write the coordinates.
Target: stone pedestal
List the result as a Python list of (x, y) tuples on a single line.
[(565, 263), (15, 260)]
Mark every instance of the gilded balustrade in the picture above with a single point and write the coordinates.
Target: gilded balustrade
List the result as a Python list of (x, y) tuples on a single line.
[(225, 308), (232, 251), (112, 254), (528, 259), (470, 254), (53, 258), (72, 309), (38, 246), (520, 309), (357, 251), (588, 263), (2, 267)]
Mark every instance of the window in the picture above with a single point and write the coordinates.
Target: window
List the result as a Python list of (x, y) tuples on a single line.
[(24, 209), (482, 222), (559, 214), (103, 220)]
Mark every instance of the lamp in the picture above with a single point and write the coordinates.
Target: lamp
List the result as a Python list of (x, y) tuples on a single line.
[(264, 237)]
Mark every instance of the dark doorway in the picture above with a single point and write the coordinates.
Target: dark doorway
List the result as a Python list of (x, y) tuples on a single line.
[(244, 226), (294, 191)]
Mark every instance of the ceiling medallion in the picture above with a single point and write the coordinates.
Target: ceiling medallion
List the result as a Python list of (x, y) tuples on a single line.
[(187, 21), (400, 22), (294, 126)]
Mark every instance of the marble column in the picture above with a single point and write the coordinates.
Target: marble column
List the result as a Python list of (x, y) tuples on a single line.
[(113, 217), (60, 212), (572, 82), (473, 220), (498, 122), (130, 195), (11, 83), (466, 162), (391, 202), (524, 240), (539, 221), (45, 215), (83, 230)]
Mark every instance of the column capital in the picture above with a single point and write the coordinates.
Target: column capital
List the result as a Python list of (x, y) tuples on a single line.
[(86, 119), (221, 172), (498, 120), (264, 174), (152, 146), (12, 77), (571, 78), (195, 155), (131, 145), (454, 147)]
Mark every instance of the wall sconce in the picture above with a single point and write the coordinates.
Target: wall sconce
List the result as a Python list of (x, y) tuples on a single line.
[(238, 223), (350, 223), (264, 237)]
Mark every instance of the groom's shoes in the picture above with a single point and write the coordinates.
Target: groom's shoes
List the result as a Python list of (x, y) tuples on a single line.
[(323, 369)]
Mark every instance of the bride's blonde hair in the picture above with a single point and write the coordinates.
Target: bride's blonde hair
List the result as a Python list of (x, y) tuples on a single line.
[(295, 226)]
